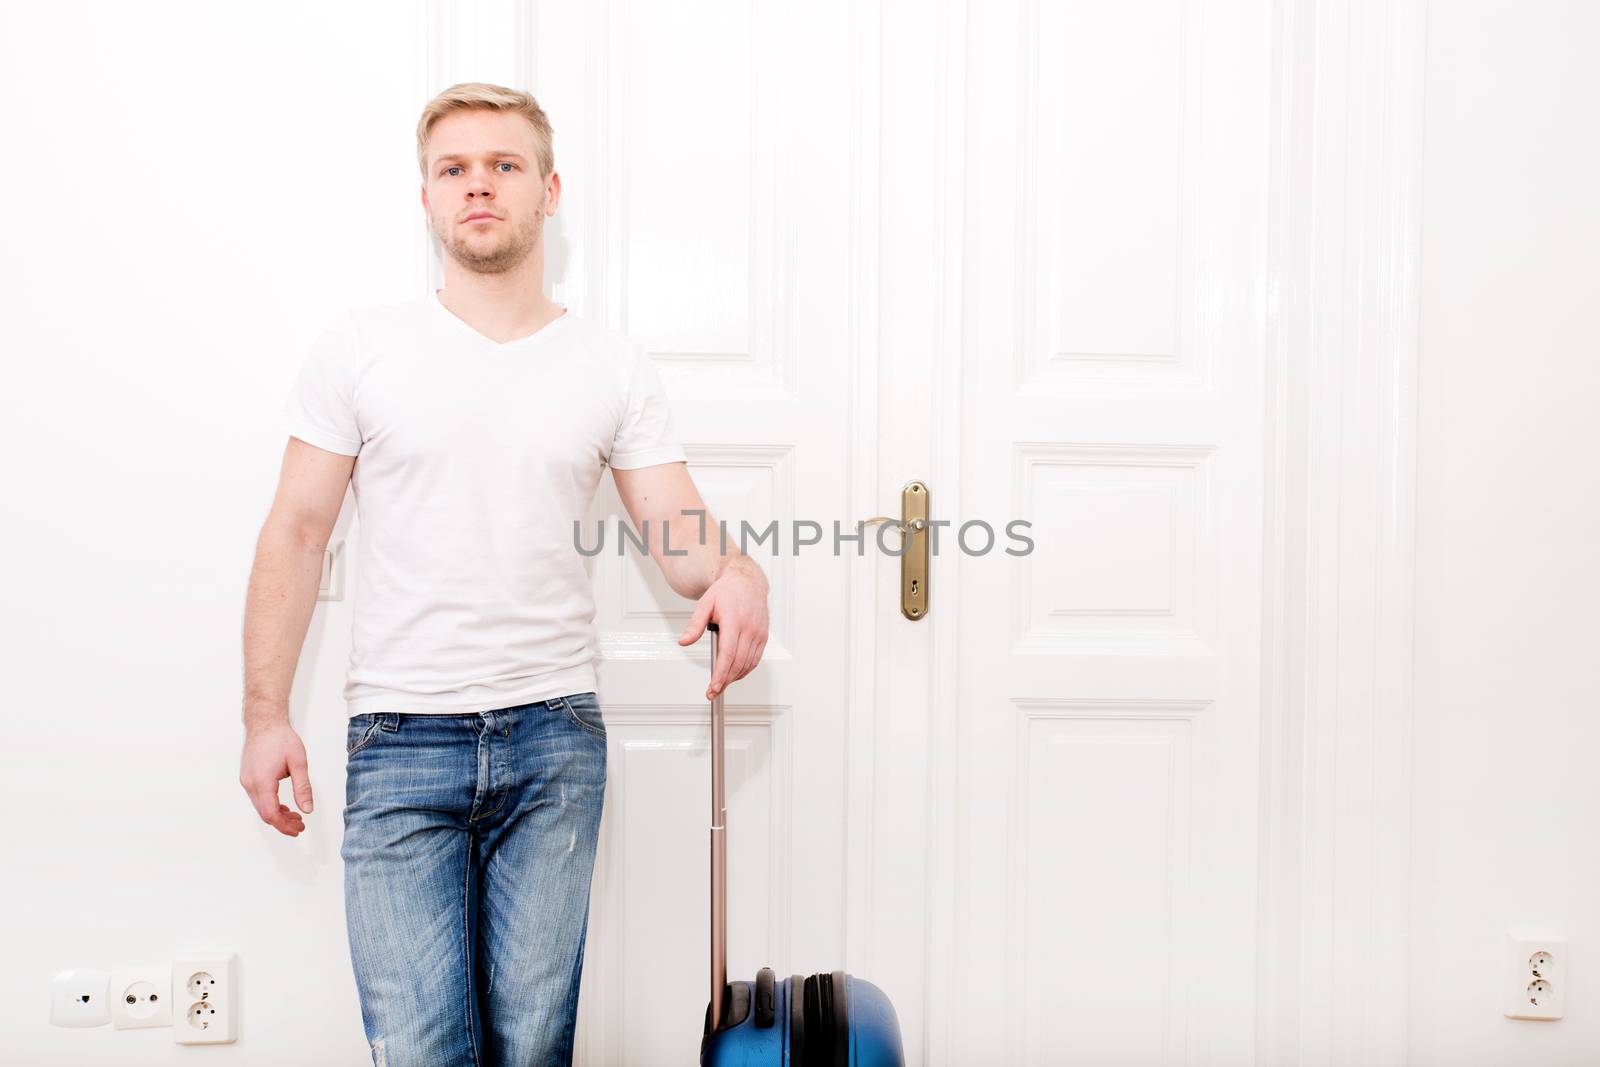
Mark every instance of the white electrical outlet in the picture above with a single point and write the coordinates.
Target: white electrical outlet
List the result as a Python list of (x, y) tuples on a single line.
[(140, 996), (78, 998), (207, 983), (1536, 976)]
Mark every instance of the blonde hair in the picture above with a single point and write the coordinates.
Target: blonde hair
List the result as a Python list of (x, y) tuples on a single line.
[(482, 96)]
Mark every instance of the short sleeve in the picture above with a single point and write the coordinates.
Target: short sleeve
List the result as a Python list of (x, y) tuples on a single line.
[(645, 436), (320, 408)]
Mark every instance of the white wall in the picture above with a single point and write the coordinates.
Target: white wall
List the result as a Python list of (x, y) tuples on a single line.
[(1506, 791), (189, 189)]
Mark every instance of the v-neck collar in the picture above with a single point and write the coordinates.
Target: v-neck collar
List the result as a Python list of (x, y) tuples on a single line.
[(460, 326)]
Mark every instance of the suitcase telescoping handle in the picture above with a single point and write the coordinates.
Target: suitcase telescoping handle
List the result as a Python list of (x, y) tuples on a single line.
[(719, 853)]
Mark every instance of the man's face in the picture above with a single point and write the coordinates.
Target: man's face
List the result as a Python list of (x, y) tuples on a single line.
[(484, 163)]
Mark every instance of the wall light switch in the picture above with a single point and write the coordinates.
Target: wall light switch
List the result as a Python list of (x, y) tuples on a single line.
[(332, 586)]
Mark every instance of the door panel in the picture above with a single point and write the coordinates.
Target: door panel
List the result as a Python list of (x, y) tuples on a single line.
[(1105, 811), (699, 148)]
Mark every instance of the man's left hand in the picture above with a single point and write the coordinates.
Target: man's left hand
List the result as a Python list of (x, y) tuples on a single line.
[(737, 603)]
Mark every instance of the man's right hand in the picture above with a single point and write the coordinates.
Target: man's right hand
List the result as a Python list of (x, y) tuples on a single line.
[(271, 754)]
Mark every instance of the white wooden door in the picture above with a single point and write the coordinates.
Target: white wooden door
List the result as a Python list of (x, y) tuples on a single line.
[(706, 213), (1014, 251), (1054, 776), (1100, 824)]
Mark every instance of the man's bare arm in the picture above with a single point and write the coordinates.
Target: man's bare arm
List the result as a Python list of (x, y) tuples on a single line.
[(667, 510), (282, 595)]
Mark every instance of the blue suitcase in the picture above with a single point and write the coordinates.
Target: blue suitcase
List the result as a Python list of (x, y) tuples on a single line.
[(827, 1020)]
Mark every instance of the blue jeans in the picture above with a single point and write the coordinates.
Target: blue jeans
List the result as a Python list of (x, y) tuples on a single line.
[(469, 845)]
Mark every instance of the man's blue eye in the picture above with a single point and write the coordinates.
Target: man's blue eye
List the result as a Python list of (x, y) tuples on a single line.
[(503, 162)]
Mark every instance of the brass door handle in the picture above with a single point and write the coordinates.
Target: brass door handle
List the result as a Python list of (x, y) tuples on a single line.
[(914, 550)]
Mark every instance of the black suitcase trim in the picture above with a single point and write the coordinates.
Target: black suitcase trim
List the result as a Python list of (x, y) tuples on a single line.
[(823, 1037), (766, 999)]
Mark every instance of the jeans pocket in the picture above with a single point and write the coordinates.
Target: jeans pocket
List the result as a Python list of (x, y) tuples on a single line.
[(360, 732), (584, 710)]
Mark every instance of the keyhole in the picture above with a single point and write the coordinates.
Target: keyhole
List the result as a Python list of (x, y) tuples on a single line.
[(913, 587)]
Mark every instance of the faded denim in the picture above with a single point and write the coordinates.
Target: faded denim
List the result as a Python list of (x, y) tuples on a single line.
[(469, 844)]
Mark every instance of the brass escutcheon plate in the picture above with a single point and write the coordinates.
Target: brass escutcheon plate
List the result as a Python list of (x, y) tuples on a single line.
[(914, 562)]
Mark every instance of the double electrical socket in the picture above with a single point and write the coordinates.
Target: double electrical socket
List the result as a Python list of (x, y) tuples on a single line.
[(208, 983), (202, 983), (1536, 977)]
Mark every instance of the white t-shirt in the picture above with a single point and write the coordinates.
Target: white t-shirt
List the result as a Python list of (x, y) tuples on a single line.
[(474, 461)]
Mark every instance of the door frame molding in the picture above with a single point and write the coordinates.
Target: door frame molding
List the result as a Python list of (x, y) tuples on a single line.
[(1342, 309)]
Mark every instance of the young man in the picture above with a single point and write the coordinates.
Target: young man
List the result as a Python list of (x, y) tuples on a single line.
[(476, 421)]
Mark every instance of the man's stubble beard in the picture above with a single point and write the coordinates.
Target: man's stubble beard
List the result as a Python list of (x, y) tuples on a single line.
[(500, 257)]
